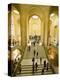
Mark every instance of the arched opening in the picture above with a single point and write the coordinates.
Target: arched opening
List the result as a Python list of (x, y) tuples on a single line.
[(14, 27), (34, 29), (14, 35), (53, 37)]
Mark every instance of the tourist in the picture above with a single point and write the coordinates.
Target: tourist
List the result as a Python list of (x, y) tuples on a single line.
[(37, 53), (42, 71), (33, 65), (36, 66), (44, 63), (40, 60)]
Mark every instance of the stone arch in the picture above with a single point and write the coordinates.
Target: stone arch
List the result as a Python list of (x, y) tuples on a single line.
[(41, 18)]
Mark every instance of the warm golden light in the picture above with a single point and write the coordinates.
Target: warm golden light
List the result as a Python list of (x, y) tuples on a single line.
[(34, 26), (51, 55), (15, 11), (15, 26), (53, 30), (52, 14), (15, 54), (35, 17)]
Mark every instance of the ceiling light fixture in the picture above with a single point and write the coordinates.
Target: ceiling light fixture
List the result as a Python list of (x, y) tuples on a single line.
[(52, 14), (15, 11), (35, 17)]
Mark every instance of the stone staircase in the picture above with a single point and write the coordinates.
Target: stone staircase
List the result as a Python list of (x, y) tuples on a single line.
[(26, 70)]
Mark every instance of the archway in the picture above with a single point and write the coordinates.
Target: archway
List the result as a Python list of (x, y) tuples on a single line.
[(14, 27), (34, 28), (53, 35)]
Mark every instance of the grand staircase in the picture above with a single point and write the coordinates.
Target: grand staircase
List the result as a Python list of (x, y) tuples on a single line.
[(26, 70)]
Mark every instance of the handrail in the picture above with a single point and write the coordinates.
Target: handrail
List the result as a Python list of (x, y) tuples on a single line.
[(46, 51)]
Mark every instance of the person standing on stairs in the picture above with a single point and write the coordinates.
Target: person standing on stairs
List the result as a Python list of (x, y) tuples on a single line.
[(44, 64), (42, 71), (36, 66), (37, 54), (40, 60), (34, 43), (33, 60)]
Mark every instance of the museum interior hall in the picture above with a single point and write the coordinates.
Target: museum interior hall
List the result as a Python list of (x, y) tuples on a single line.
[(33, 40)]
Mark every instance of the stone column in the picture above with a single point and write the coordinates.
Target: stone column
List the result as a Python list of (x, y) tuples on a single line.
[(42, 31), (46, 25), (23, 30)]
